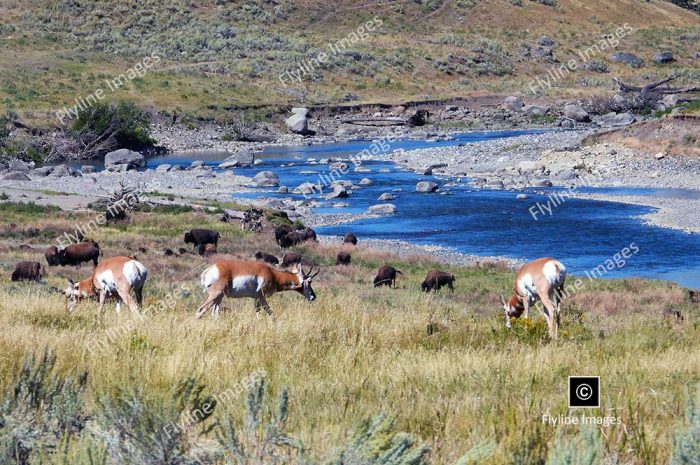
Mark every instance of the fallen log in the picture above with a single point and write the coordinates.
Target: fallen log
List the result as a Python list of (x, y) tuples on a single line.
[(376, 121), (653, 87)]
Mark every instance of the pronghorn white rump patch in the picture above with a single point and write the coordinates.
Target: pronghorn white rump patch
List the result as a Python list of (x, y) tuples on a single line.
[(135, 273), (209, 276), (555, 272), (245, 286)]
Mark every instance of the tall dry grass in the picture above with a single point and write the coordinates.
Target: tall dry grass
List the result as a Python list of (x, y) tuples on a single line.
[(358, 351)]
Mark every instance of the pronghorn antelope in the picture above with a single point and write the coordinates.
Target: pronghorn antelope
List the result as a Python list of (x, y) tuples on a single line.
[(256, 280), (541, 279), (119, 275)]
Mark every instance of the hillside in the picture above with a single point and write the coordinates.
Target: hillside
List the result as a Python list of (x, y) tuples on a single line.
[(219, 55)]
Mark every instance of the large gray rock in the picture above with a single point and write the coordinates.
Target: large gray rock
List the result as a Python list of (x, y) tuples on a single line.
[(426, 186), (366, 182), (300, 111), (386, 196), (527, 167), (339, 192), (613, 120), (266, 179), (306, 188), (127, 157), (627, 58), (87, 169), (43, 171), (298, 123), (538, 110), (663, 57), (18, 165), (383, 209), (243, 158), (16, 176), (163, 167), (576, 113), (62, 171), (541, 52), (513, 103)]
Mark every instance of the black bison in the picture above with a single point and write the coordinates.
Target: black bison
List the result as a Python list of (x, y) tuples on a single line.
[(201, 237), (343, 258), (694, 296), (290, 258), (436, 279), (281, 231), (29, 271), (350, 238), (386, 276), (74, 254), (168, 252), (266, 257), (297, 237)]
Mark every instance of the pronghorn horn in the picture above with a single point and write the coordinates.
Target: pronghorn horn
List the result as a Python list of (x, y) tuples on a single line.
[(315, 274)]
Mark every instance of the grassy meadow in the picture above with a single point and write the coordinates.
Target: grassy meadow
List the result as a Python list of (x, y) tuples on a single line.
[(442, 365)]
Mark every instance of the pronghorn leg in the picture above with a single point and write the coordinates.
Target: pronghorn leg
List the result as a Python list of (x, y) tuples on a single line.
[(103, 296), (260, 300), (138, 293), (214, 293), (551, 309), (125, 294), (526, 304)]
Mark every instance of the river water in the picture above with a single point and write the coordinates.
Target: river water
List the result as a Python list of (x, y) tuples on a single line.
[(583, 234)]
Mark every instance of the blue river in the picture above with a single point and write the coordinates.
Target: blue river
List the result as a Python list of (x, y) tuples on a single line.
[(583, 234)]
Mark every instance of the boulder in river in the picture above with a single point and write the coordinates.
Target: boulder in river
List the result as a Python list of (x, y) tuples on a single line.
[(266, 179), (131, 159), (386, 196), (426, 186), (62, 171), (382, 209), (242, 158), (366, 182)]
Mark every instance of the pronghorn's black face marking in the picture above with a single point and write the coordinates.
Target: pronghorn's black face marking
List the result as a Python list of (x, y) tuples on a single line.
[(306, 288)]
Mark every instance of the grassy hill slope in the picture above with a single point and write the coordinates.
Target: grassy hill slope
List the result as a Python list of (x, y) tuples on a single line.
[(222, 54)]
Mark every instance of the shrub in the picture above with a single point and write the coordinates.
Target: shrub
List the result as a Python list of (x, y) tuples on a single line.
[(686, 440), (138, 428), (40, 410), (586, 448), (108, 126)]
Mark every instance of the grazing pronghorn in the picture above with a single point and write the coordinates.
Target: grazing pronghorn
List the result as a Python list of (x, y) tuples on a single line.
[(256, 280), (119, 275), (541, 279)]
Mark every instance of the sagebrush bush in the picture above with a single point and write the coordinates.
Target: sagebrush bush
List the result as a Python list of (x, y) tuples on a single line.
[(686, 440), (42, 408), (586, 448)]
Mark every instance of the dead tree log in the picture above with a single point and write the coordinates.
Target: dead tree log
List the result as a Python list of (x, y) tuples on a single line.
[(655, 87)]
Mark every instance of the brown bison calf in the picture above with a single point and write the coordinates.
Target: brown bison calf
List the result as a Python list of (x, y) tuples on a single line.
[(436, 279), (29, 271), (290, 258), (386, 276), (350, 238), (343, 258), (266, 257)]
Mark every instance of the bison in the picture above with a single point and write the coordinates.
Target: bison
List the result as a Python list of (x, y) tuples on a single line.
[(436, 279), (74, 254), (290, 258), (200, 237), (386, 276), (29, 271), (266, 257), (350, 238), (297, 237), (343, 258), (281, 231)]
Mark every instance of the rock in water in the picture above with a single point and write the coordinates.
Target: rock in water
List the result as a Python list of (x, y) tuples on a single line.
[(127, 157), (383, 209), (426, 186), (266, 179)]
